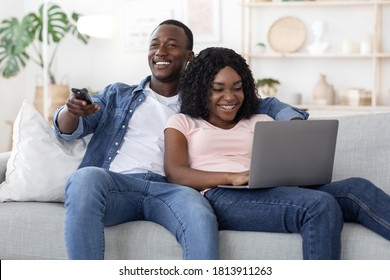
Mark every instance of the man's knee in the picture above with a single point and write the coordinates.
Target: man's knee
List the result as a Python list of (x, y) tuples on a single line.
[(82, 184)]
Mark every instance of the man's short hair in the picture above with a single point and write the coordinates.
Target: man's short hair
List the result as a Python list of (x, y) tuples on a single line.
[(187, 31)]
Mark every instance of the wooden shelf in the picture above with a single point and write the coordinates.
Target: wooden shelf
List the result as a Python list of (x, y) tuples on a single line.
[(316, 111), (300, 4), (325, 55), (343, 107), (376, 58)]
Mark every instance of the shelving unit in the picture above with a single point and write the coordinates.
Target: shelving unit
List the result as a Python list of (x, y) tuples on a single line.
[(375, 58)]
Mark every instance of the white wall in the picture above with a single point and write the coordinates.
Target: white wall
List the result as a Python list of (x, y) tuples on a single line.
[(102, 62)]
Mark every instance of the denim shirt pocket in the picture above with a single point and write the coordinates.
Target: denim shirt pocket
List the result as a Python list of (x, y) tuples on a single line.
[(113, 120)]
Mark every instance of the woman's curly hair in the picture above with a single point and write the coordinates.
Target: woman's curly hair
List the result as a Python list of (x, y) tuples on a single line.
[(195, 82)]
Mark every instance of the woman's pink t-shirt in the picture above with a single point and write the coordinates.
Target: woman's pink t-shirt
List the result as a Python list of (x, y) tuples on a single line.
[(211, 148)]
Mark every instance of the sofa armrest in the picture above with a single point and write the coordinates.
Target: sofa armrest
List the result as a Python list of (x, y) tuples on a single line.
[(3, 164)]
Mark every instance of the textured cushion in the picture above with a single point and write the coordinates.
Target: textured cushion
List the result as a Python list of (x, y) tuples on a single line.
[(40, 163), (33, 230), (363, 149)]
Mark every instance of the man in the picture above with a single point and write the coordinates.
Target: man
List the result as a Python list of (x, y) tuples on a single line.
[(121, 177)]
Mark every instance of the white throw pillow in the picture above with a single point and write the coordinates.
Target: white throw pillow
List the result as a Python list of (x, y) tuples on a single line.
[(40, 163)]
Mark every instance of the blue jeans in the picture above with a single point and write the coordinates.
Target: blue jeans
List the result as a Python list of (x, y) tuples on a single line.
[(316, 213), (95, 197)]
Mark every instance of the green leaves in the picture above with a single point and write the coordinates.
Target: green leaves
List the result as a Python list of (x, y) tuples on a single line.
[(17, 36), (16, 32), (57, 25), (267, 81)]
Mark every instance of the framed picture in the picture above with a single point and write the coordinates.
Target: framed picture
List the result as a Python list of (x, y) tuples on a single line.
[(139, 26), (203, 18)]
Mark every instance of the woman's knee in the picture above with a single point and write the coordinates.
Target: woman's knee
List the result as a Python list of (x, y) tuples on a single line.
[(358, 187), (358, 182), (326, 205)]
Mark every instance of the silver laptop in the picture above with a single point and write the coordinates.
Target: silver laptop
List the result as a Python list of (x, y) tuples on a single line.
[(292, 153)]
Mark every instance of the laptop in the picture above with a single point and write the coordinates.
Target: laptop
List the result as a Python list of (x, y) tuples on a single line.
[(292, 153)]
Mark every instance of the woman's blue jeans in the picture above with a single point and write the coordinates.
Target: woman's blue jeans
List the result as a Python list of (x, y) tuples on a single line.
[(95, 197), (316, 213)]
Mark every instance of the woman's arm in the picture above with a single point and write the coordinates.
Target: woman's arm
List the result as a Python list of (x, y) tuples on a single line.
[(177, 170)]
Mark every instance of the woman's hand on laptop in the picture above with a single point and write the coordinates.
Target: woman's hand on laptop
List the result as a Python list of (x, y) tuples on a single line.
[(240, 178)]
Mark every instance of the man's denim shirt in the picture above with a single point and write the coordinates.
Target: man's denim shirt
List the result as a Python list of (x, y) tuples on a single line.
[(117, 104)]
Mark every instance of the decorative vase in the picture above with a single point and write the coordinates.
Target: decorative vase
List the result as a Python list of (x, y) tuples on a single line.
[(331, 96), (321, 91)]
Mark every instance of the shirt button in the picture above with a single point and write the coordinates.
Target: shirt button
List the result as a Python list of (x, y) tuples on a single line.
[(123, 126), (116, 144), (131, 111), (109, 158)]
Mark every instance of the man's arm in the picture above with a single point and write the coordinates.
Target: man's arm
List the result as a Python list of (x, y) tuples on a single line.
[(67, 119), (281, 111), (66, 136)]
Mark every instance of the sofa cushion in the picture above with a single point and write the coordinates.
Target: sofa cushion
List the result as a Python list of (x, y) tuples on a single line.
[(40, 163), (35, 230), (363, 149)]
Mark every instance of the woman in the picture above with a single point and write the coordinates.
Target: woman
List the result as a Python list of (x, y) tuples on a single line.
[(209, 144)]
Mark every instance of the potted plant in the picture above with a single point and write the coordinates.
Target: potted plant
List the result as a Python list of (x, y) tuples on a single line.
[(267, 87), (21, 42), (261, 47)]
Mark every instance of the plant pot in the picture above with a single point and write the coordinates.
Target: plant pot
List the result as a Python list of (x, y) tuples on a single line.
[(267, 91), (58, 94)]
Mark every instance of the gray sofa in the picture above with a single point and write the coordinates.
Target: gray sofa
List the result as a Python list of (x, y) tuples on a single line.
[(34, 230)]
